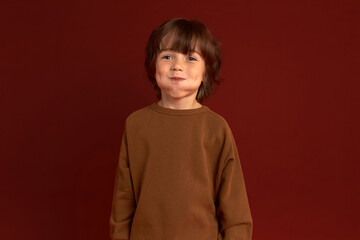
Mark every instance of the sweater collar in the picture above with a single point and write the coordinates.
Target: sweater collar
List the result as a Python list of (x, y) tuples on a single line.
[(156, 107)]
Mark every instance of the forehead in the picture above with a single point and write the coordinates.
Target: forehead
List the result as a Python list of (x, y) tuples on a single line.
[(180, 43)]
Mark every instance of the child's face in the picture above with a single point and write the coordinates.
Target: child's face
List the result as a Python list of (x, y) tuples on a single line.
[(179, 75)]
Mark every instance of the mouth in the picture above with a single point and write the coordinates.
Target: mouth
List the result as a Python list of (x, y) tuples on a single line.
[(177, 78)]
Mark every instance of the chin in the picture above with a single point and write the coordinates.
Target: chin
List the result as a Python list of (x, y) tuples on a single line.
[(177, 94)]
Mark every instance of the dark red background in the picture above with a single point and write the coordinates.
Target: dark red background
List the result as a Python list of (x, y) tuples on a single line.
[(71, 71)]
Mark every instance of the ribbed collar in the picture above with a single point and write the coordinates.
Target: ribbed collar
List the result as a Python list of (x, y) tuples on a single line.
[(156, 107)]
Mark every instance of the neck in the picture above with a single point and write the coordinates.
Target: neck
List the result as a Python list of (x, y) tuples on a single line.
[(179, 104)]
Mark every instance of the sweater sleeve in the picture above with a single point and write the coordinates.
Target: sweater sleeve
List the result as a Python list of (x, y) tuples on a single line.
[(233, 211), (123, 205)]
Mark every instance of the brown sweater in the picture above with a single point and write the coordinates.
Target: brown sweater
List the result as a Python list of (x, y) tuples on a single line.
[(179, 177)]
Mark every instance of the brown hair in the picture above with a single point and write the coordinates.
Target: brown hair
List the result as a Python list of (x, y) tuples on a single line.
[(185, 35)]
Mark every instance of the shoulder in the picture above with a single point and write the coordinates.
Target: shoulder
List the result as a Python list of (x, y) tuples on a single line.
[(216, 119), (138, 116)]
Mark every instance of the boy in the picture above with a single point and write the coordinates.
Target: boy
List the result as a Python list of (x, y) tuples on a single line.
[(179, 175)]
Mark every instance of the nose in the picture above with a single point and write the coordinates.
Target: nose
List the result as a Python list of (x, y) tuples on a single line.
[(177, 66)]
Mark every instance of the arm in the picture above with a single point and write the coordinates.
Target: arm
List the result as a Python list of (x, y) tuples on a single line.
[(123, 205), (233, 209)]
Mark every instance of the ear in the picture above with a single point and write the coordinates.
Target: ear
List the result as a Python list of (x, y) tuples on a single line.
[(204, 77)]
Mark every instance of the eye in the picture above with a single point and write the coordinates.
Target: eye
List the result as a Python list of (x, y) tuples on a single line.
[(192, 58), (166, 57)]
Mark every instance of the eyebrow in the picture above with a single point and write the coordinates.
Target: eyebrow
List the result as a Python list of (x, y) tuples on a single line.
[(168, 49)]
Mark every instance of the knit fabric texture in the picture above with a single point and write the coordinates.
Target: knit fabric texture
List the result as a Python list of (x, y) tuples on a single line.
[(179, 177)]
